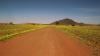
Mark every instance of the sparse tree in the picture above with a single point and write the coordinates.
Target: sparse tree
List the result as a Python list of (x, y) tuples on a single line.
[(11, 23), (57, 23), (73, 24)]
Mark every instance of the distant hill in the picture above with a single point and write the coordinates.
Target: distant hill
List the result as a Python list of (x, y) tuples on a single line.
[(66, 21)]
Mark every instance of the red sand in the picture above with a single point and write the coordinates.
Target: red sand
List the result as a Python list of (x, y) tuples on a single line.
[(43, 42)]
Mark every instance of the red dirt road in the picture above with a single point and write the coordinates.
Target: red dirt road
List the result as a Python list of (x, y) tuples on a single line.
[(43, 42)]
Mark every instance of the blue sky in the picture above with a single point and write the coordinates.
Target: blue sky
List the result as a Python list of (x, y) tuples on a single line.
[(46, 11)]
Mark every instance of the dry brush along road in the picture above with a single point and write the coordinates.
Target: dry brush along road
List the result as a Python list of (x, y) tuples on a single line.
[(44, 42)]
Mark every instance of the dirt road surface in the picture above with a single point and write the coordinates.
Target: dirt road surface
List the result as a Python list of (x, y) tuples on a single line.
[(44, 42)]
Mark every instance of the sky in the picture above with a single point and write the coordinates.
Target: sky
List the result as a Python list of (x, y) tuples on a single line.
[(47, 11)]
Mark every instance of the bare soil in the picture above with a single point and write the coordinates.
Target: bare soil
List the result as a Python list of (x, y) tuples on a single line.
[(44, 42)]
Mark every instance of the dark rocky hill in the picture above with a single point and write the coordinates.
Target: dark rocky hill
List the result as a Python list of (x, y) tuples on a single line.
[(66, 21)]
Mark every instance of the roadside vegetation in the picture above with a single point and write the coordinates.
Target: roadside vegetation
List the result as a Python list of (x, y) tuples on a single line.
[(90, 35), (9, 30)]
